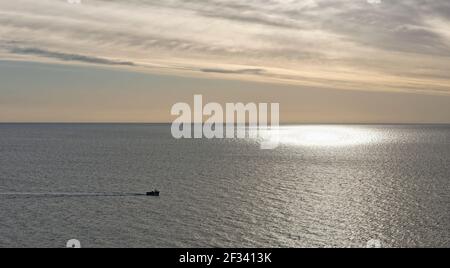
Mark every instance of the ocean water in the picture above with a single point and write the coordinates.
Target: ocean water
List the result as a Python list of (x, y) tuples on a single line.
[(324, 186)]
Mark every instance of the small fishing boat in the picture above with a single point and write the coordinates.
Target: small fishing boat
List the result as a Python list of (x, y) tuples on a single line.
[(153, 193)]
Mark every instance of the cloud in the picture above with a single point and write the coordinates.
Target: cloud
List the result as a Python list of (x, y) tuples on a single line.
[(68, 57), (241, 71), (374, 2), (377, 45)]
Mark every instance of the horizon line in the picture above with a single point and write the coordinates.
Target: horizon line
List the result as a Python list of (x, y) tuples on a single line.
[(169, 123)]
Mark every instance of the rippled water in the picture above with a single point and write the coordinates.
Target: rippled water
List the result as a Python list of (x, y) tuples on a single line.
[(325, 186)]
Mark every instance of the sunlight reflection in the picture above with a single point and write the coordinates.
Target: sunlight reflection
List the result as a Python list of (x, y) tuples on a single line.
[(320, 135)]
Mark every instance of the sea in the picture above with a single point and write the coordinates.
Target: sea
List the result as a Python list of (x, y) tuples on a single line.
[(322, 186)]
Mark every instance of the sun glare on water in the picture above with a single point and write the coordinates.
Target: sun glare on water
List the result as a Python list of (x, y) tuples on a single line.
[(323, 136)]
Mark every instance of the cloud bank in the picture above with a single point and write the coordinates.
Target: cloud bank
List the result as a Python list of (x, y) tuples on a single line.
[(388, 45), (67, 57)]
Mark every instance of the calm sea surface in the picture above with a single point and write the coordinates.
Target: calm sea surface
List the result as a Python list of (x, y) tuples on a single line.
[(324, 186)]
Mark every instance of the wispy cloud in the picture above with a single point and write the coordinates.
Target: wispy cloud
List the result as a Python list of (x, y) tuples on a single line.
[(241, 71), (364, 45), (68, 57)]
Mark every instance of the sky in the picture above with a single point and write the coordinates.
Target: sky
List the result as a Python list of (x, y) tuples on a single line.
[(324, 61)]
